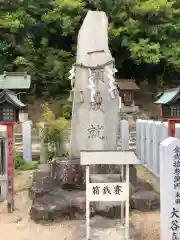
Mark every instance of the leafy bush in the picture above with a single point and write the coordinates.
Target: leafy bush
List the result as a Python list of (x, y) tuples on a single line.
[(67, 111), (18, 160), (29, 166), (21, 164), (53, 132)]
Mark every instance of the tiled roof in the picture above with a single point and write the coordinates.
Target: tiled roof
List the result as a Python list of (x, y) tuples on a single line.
[(168, 96), (127, 84), (10, 97)]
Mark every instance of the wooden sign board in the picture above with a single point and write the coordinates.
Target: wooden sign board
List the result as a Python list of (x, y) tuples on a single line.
[(108, 192)]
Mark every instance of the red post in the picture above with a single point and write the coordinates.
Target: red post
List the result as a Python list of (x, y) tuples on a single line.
[(171, 127), (10, 167)]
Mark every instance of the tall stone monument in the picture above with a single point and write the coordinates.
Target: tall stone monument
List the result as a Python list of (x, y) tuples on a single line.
[(94, 94)]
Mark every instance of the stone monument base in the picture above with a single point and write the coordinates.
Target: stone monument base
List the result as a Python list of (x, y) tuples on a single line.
[(52, 201), (68, 173)]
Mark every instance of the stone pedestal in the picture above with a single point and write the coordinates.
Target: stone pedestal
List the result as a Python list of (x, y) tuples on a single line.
[(68, 173)]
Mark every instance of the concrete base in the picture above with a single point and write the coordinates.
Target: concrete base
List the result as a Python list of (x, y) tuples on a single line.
[(3, 188)]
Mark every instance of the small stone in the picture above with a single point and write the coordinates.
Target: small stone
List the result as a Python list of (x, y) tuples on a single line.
[(108, 209), (16, 219)]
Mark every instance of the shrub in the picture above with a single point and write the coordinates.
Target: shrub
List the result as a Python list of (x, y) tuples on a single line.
[(67, 111), (21, 164), (29, 166), (53, 131), (18, 160)]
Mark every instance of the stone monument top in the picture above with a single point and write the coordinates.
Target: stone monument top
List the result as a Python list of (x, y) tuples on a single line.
[(93, 38)]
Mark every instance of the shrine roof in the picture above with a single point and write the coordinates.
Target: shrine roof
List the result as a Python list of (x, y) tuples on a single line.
[(10, 97), (15, 80), (167, 96), (127, 84)]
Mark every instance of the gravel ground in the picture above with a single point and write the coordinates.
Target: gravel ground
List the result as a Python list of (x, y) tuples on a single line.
[(20, 227)]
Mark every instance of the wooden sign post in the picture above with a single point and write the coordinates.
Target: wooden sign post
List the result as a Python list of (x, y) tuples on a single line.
[(108, 192)]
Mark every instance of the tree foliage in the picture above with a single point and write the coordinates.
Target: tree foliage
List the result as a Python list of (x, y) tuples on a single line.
[(53, 131), (40, 37)]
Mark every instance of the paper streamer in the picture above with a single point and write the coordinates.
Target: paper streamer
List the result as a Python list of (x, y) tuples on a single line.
[(91, 86), (110, 72), (72, 78)]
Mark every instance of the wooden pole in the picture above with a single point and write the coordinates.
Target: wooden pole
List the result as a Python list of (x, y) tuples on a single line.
[(10, 167)]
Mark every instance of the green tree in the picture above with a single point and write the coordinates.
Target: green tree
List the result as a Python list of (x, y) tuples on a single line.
[(40, 37)]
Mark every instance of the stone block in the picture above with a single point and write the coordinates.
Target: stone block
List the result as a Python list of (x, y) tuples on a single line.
[(145, 200), (42, 185), (69, 173)]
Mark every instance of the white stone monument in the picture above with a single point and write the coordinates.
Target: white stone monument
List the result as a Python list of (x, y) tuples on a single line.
[(124, 135), (27, 140), (170, 189), (108, 192), (95, 96)]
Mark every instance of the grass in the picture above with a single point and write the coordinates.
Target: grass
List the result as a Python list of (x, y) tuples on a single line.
[(29, 166), (26, 167)]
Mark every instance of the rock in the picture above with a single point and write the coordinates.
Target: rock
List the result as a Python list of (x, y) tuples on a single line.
[(78, 202), (48, 207), (100, 178), (141, 185), (145, 200), (109, 209), (60, 203), (16, 219), (39, 175), (42, 186), (133, 175), (105, 169), (69, 173)]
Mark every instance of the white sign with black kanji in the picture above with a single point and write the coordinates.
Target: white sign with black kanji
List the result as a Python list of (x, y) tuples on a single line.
[(107, 192)]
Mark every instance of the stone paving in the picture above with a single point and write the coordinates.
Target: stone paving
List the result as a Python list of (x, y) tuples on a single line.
[(103, 229)]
